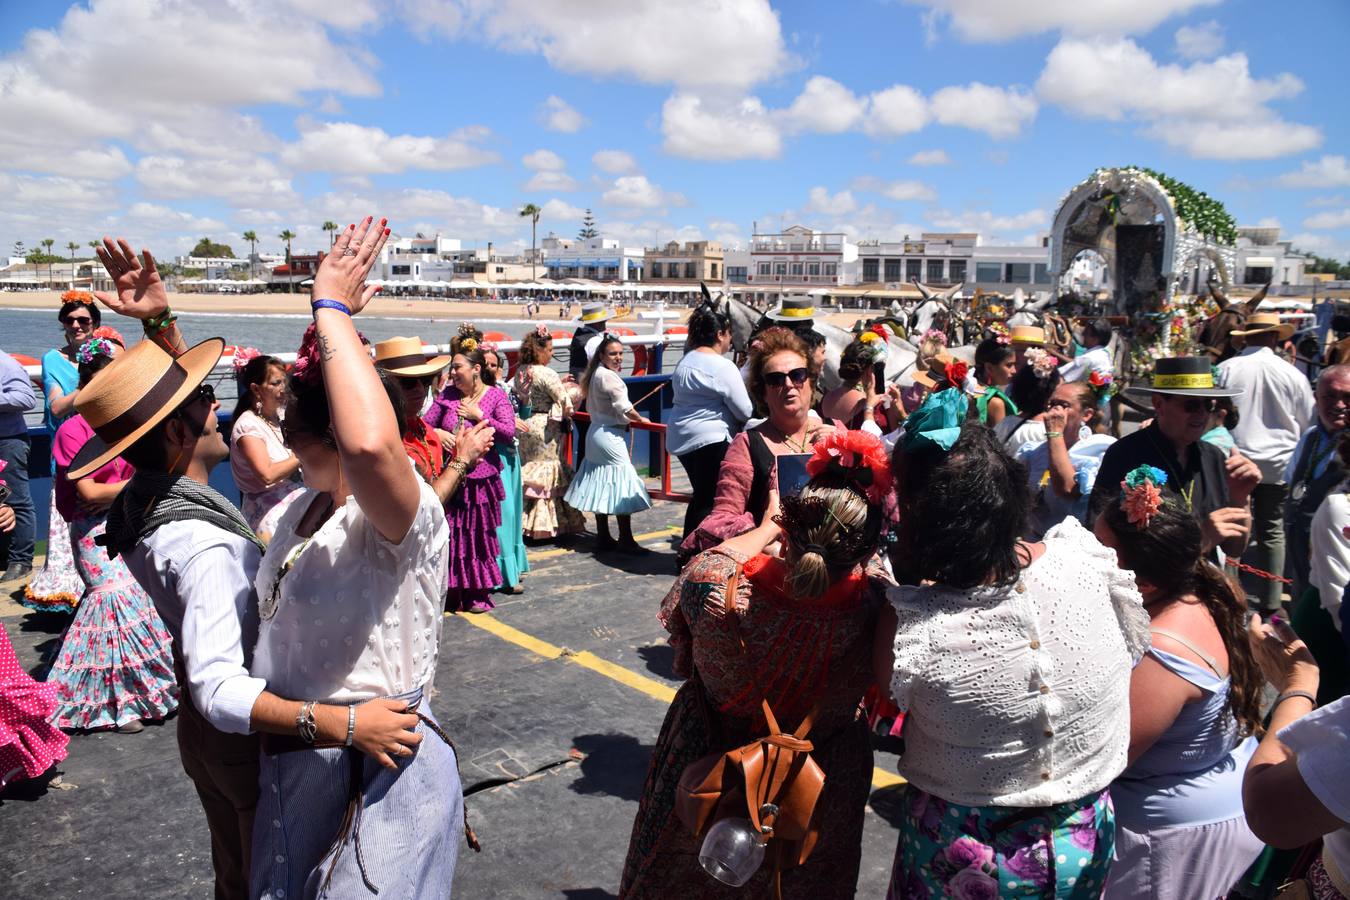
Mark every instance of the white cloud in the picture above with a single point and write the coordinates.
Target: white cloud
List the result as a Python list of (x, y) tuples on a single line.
[(991, 224), (636, 192), (104, 163), (256, 182), (896, 190), (1321, 244), (71, 195), (930, 158), (551, 181), (820, 200), (1199, 41), (697, 43), (615, 162), (557, 115), (556, 211), (543, 160), (144, 216), (363, 149), (1332, 201), (422, 208), (1329, 171), (1000, 20), (1213, 110), (330, 106), (999, 112), (1328, 220), (897, 110), (824, 106), (710, 129)]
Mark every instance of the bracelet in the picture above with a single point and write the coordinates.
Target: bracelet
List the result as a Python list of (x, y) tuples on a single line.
[(1287, 694), (305, 724), (458, 465), (351, 725), (330, 304), (160, 323), (1050, 434)]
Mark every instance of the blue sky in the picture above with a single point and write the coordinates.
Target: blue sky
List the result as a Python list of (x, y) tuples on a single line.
[(172, 120)]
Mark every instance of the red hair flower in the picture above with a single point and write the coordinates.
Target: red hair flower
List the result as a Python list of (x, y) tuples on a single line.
[(1140, 502), (956, 373), (856, 455)]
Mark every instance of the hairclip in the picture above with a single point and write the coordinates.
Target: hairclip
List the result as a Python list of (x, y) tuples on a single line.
[(542, 330), (92, 349), (1139, 494), (466, 329), (468, 345), (243, 356), (1041, 362)]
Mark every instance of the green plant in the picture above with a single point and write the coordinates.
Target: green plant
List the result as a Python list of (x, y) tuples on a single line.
[(1204, 214)]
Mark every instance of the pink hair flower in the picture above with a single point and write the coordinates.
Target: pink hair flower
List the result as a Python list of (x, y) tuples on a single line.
[(243, 356)]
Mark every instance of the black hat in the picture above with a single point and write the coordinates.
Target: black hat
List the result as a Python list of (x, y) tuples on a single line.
[(1183, 376)]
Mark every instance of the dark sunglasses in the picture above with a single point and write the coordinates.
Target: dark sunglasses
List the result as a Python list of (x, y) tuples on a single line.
[(1197, 404), (778, 379), (203, 392), (85, 321)]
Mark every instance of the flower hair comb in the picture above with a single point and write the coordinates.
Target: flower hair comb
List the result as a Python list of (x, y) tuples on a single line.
[(1140, 496), (93, 349), (857, 456), (243, 356), (1041, 362)]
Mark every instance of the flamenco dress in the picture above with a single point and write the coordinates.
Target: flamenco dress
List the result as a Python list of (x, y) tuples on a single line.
[(57, 587)]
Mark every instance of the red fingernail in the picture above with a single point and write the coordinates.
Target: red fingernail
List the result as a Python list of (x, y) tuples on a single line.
[(386, 231), (351, 226), (382, 221)]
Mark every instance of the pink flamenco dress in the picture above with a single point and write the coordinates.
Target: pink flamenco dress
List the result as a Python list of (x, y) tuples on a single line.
[(115, 665), (29, 743), (474, 511)]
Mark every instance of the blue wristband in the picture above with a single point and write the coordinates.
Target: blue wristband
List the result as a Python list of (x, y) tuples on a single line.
[(330, 304)]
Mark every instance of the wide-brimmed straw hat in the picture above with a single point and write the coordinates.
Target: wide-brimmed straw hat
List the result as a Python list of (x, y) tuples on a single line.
[(403, 357), (793, 309), (135, 393), (1265, 323), (596, 312), (1183, 376), (936, 373), (1028, 335)]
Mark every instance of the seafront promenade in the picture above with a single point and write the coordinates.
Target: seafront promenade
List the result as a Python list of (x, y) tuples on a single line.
[(554, 699)]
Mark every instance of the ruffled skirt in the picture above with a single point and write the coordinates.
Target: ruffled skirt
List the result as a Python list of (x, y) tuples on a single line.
[(475, 514), (29, 743), (607, 483), (544, 478), (511, 559), (115, 665), (57, 588)]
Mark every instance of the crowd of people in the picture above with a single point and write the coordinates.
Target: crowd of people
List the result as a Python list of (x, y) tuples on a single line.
[(1076, 637)]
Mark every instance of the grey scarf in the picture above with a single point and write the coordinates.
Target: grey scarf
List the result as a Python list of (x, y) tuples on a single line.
[(152, 499)]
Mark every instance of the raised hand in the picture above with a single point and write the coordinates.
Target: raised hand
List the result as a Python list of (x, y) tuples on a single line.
[(140, 293), (342, 274)]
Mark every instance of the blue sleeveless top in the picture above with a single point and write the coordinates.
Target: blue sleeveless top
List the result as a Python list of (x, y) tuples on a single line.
[(1192, 775)]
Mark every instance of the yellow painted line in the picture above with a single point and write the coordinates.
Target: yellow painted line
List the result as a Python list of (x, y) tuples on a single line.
[(563, 551), (628, 678)]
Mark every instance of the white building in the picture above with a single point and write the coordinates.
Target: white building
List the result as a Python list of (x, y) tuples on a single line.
[(216, 267), (1006, 268), (799, 259), (436, 245), (1263, 257), (598, 259), (935, 258), (736, 265)]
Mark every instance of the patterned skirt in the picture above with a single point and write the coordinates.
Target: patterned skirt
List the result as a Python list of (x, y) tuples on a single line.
[(545, 477), (988, 852), (57, 588), (475, 513), (29, 743), (607, 483), (115, 665)]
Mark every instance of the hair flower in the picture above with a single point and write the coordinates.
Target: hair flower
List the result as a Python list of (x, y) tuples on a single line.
[(933, 334), (1140, 497), (112, 334), (858, 457), (78, 297), (868, 337), (93, 349), (1141, 474), (956, 372), (243, 356), (468, 345), (1041, 362), (542, 330)]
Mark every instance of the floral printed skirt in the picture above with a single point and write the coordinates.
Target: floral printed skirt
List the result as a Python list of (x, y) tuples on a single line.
[(57, 588), (115, 665), (988, 852)]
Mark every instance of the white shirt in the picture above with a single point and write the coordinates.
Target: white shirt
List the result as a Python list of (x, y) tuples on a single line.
[(1321, 739), (201, 580), (710, 402), (1330, 569), (607, 398), (1020, 696), (356, 616), (1098, 360), (1275, 406)]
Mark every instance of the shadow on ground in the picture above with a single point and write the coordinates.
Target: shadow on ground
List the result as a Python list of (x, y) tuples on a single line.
[(615, 764), (659, 659)]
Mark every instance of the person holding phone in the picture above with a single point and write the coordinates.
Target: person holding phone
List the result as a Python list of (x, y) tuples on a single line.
[(854, 403)]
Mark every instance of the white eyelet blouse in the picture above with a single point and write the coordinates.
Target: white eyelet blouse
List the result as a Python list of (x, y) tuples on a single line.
[(1019, 696), (357, 617)]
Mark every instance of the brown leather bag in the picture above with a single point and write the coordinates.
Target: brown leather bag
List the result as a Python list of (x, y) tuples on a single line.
[(772, 781)]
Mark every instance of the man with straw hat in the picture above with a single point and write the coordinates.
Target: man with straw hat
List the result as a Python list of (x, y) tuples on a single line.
[(593, 319), (1214, 485), (404, 359), (1274, 409), (193, 553)]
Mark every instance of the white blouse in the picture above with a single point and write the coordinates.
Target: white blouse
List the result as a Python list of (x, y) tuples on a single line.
[(607, 398), (355, 617), (1329, 571), (1019, 696)]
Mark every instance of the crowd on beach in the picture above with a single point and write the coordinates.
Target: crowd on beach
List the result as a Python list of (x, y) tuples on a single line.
[(1116, 667)]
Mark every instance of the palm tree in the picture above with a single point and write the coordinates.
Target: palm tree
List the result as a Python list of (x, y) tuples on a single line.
[(252, 238), (72, 247), (331, 227), (289, 236), (530, 211), (48, 242)]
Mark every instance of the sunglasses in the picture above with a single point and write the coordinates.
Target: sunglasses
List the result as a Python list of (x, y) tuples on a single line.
[(203, 392), (1196, 404), (77, 321), (778, 379)]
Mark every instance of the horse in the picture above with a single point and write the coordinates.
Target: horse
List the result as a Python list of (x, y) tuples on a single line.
[(1215, 333), (937, 310)]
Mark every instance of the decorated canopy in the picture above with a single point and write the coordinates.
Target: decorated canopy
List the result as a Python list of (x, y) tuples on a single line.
[(1155, 234)]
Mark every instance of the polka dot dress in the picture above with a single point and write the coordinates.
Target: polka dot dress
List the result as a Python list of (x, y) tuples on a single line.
[(29, 743)]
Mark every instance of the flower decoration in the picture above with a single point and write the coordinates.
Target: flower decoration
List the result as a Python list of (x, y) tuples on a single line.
[(92, 349), (1140, 497), (1041, 362), (937, 421), (3, 465), (1141, 474), (857, 456), (868, 337), (243, 356), (956, 372), (1103, 384), (933, 334), (468, 345), (1003, 339), (542, 330), (880, 331), (78, 297), (112, 334)]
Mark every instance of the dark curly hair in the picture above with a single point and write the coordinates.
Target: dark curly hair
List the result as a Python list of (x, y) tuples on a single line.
[(704, 326), (1168, 552), (962, 512), (765, 344), (307, 409), (1031, 394), (855, 362)]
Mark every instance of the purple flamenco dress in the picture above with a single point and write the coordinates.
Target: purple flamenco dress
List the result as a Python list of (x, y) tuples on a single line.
[(474, 511)]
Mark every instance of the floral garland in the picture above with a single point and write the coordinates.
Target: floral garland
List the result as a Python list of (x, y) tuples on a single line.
[(1199, 211), (938, 337)]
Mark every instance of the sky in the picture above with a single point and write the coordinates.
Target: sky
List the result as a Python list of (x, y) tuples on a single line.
[(171, 120)]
